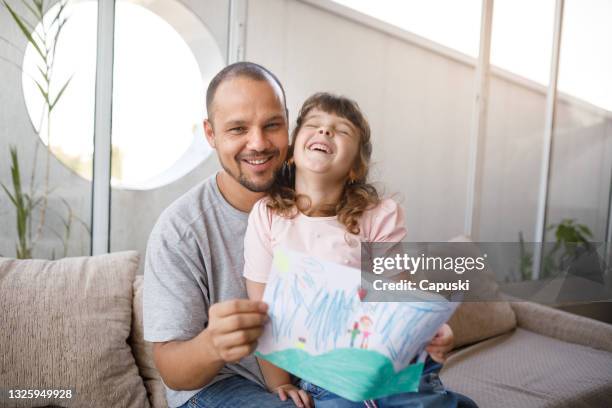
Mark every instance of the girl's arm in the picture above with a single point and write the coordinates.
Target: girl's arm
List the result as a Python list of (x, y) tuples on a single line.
[(277, 379)]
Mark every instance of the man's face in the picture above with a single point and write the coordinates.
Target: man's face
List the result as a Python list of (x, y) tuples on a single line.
[(249, 131)]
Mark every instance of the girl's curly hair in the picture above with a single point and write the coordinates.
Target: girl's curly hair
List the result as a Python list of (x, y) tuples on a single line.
[(357, 196)]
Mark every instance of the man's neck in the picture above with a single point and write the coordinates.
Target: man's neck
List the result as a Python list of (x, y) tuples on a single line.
[(320, 191), (235, 193)]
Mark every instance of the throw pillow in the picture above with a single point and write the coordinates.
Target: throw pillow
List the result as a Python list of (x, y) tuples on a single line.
[(65, 326)]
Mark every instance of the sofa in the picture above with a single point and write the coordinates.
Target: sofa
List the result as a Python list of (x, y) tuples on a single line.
[(76, 324)]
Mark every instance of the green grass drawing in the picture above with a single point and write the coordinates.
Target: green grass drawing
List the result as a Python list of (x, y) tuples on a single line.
[(354, 374)]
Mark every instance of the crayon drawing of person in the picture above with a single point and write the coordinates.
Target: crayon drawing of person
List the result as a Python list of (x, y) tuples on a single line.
[(354, 333), (366, 324)]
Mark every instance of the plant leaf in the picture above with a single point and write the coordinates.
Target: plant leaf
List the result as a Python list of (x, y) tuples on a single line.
[(8, 193), (585, 230), (11, 44), (36, 202), (39, 5), (43, 73), (42, 91), (58, 15), (60, 23), (59, 94), (24, 29), (15, 174), (32, 10)]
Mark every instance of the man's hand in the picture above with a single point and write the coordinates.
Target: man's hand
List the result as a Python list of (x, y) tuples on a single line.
[(234, 327), (441, 344), (300, 397)]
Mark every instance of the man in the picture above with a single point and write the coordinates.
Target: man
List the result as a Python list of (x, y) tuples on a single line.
[(195, 308), (196, 313)]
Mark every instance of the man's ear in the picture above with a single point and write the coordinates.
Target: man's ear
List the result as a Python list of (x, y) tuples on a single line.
[(209, 132)]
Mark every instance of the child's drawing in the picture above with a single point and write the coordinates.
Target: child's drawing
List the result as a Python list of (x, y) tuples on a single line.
[(321, 331)]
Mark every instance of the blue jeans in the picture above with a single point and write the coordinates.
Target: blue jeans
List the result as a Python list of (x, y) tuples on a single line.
[(236, 392), (431, 394)]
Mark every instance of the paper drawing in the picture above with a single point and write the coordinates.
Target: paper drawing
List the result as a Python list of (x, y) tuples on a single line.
[(321, 331)]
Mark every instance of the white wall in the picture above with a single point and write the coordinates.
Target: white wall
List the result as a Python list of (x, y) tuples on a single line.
[(418, 102)]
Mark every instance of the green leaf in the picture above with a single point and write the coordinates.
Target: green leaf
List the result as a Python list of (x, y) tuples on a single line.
[(10, 43), (8, 193), (60, 10), (28, 201), (59, 94), (42, 91), (36, 202), (21, 202), (60, 24), (43, 73), (32, 10), (15, 174), (39, 5), (24, 29), (585, 230)]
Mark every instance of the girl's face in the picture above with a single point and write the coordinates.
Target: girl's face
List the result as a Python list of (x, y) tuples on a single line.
[(327, 145)]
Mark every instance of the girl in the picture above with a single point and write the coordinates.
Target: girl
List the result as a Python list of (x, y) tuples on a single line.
[(322, 204)]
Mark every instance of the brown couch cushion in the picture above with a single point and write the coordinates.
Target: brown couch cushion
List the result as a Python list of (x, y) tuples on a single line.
[(65, 324), (526, 370), (143, 351)]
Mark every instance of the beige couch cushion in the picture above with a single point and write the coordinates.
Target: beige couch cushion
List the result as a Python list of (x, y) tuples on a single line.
[(476, 321), (143, 351), (522, 369), (563, 325), (65, 324)]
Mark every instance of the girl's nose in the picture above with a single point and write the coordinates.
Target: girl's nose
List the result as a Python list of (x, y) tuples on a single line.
[(325, 132)]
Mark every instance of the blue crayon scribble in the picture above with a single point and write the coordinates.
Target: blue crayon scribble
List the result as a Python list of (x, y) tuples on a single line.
[(309, 280), (329, 313)]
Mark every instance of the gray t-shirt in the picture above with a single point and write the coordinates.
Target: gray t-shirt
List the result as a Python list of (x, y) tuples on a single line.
[(194, 259)]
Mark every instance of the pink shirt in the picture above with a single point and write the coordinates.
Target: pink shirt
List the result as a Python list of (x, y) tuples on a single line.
[(323, 237)]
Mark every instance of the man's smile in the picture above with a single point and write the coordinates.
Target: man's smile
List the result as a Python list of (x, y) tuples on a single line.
[(259, 162)]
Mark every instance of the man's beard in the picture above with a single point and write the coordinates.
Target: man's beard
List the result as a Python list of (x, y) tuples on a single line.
[(256, 188), (250, 184)]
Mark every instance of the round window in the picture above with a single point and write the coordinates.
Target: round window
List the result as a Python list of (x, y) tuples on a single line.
[(158, 91)]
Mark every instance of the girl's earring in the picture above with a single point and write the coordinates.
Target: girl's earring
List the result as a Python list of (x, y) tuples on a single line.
[(351, 177)]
